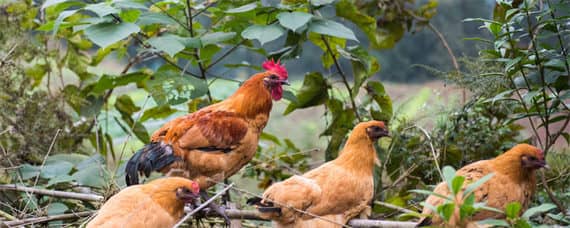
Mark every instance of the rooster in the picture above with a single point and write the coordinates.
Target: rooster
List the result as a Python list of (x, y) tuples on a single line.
[(159, 203), (336, 191), (513, 181), (216, 141)]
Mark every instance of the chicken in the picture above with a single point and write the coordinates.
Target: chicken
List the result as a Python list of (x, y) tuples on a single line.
[(337, 190), (159, 203), (214, 142), (513, 180)]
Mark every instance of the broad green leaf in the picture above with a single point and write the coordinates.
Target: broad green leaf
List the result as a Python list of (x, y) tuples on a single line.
[(446, 210), (125, 104), (448, 175), (312, 92), (244, 8), (168, 86), (56, 208), (512, 210), (130, 15), (456, 184), (60, 18), (102, 9), (55, 168), (321, 2), (347, 9), (105, 34), (216, 37), (376, 90), (93, 176), (263, 33), (472, 186), (158, 112), (59, 179), (494, 222), (28, 171), (128, 4), (364, 65), (294, 20), (107, 82), (72, 158), (170, 44), (545, 207), (335, 45), (149, 18), (269, 137), (49, 3), (331, 28)]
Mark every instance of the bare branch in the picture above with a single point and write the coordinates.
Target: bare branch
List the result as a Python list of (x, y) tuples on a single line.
[(202, 206), (45, 219), (60, 194)]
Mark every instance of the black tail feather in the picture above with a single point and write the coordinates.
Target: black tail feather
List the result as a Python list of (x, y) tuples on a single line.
[(152, 157)]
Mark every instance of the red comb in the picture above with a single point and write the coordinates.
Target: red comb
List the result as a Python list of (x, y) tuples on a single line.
[(541, 154), (276, 68), (195, 187)]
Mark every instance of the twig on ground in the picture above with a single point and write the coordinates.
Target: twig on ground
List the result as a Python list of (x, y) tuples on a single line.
[(30, 221), (395, 207), (45, 192)]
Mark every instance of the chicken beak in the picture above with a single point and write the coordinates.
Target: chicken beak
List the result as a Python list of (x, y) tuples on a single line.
[(546, 166), (285, 82)]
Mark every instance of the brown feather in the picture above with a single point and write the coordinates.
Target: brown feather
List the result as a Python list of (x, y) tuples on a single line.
[(510, 183), (150, 205), (339, 189)]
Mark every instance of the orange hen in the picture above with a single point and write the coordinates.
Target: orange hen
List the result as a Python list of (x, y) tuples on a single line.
[(336, 191), (159, 203), (513, 181)]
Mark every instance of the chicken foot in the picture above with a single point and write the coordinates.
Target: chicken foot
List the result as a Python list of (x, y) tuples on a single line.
[(220, 210)]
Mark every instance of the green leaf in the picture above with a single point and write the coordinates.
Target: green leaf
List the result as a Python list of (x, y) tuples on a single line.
[(105, 34), (294, 20), (456, 184), (94, 176), (321, 2), (101, 9), (364, 65), (512, 210), (130, 15), (376, 90), (170, 44), (59, 179), (448, 175), (127, 4), (216, 37), (55, 168), (56, 208), (335, 45), (347, 9), (71, 158), (168, 86), (430, 193), (28, 171), (125, 104), (545, 207), (331, 28), (60, 18), (158, 112), (269, 137), (494, 222), (263, 33), (49, 3), (472, 186), (244, 8), (446, 210), (107, 82), (149, 18), (312, 92)]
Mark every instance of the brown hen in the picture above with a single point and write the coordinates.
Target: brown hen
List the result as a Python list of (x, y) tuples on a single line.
[(513, 181), (336, 191)]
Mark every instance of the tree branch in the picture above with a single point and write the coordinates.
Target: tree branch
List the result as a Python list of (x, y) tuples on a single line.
[(60, 194), (205, 204), (190, 28), (344, 80), (30, 221)]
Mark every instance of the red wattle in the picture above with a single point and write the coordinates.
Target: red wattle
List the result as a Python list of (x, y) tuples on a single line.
[(277, 93)]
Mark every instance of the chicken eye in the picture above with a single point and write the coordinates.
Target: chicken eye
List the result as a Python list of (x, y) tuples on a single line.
[(375, 128), (533, 158), (273, 77)]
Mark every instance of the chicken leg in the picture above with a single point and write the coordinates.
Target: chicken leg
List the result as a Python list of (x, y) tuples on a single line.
[(215, 207)]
